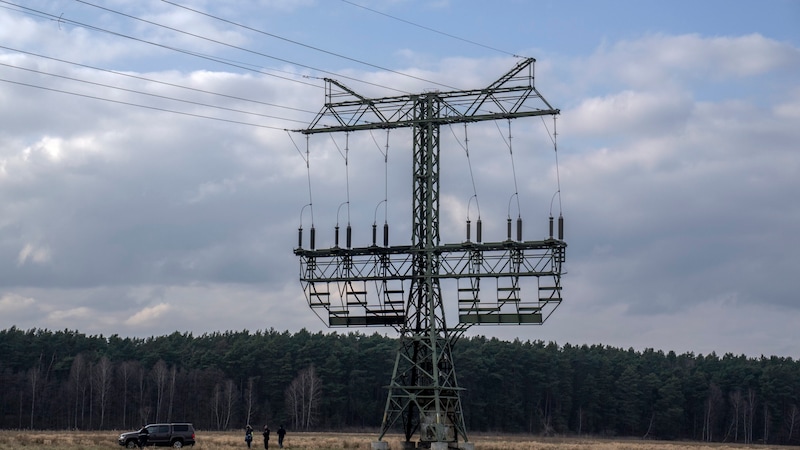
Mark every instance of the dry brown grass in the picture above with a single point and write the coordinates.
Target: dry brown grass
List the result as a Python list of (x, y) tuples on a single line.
[(95, 440)]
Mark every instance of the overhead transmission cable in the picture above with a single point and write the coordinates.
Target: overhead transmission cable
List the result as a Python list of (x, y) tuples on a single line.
[(149, 94), (155, 108), (310, 205), (311, 47), (430, 29), (61, 19), (385, 154), (513, 169), (150, 80), (465, 147), (238, 47), (554, 140)]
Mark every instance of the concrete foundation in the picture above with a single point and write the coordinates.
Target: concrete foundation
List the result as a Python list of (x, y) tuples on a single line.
[(383, 445)]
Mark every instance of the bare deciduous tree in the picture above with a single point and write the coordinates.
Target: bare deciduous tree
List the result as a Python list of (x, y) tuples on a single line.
[(230, 401), (102, 374), (160, 373), (173, 375), (250, 398), (125, 370), (77, 383), (223, 403), (303, 397)]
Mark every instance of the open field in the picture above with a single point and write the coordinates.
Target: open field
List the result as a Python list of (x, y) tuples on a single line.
[(80, 440)]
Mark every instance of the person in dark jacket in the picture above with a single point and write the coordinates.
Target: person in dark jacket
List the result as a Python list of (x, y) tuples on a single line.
[(281, 434), (144, 434), (266, 437), (248, 435)]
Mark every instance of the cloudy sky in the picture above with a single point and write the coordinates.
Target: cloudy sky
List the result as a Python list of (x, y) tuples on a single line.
[(148, 185)]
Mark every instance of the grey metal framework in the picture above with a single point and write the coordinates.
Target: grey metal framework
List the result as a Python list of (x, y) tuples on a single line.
[(399, 286)]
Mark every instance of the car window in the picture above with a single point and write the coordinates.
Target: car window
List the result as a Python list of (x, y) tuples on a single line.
[(181, 427), (163, 429)]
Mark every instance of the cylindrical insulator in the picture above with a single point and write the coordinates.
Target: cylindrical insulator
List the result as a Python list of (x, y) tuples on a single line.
[(336, 236), (551, 227), (478, 230), (374, 234), (508, 228), (561, 227), (519, 229), (349, 236), (468, 229), (313, 238), (385, 234), (300, 237)]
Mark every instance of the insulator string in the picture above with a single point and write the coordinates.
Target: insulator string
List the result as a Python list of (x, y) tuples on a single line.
[(385, 154), (465, 147), (513, 169), (386, 180), (345, 156), (554, 140), (307, 159)]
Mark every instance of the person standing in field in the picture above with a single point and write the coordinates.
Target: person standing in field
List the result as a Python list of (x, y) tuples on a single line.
[(266, 437), (144, 433), (281, 434), (248, 435)]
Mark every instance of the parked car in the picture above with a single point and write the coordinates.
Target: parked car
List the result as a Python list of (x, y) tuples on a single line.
[(161, 434)]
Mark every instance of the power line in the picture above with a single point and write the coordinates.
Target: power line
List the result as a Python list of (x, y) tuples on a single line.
[(429, 29), (155, 108), (150, 80), (338, 55), (235, 47), (149, 94), (61, 19)]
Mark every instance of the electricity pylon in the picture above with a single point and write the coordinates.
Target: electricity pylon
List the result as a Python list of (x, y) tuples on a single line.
[(366, 286)]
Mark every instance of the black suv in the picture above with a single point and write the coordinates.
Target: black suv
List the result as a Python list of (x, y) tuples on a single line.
[(164, 434)]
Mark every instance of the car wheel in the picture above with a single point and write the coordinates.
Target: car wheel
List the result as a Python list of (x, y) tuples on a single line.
[(177, 444), (130, 444)]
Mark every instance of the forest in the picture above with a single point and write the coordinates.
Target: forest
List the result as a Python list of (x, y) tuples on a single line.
[(334, 381)]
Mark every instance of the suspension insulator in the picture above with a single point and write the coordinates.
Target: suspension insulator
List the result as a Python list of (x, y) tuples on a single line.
[(374, 234), (336, 236), (349, 236), (385, 234), (468, 229), (551, 227), (508, 228), (519, 229), (560, 227), (313, 238), (300, 237), (478, 230)]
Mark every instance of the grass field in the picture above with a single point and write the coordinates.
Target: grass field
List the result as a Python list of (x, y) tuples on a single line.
[(79, 440)]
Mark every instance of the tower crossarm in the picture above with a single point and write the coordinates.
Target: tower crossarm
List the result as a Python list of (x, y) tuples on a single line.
[(496, 259), (511, 96)]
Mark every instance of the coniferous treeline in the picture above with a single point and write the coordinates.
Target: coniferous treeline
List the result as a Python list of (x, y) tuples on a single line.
[(65, 379)]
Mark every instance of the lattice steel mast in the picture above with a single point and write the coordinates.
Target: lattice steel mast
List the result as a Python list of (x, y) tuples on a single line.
[(424, 395)]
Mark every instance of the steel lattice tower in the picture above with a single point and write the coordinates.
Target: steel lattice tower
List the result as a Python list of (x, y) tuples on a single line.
[(366, 286)]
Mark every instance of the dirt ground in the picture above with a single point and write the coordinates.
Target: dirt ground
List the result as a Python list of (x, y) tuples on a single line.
[(80, 440)]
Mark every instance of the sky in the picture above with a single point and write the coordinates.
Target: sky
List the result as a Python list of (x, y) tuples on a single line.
[(150, 180)]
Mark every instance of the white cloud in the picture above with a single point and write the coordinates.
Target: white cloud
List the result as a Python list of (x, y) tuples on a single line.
[(660, 61), (149, 315), (10, 303), (678, 170), (34, 254)]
